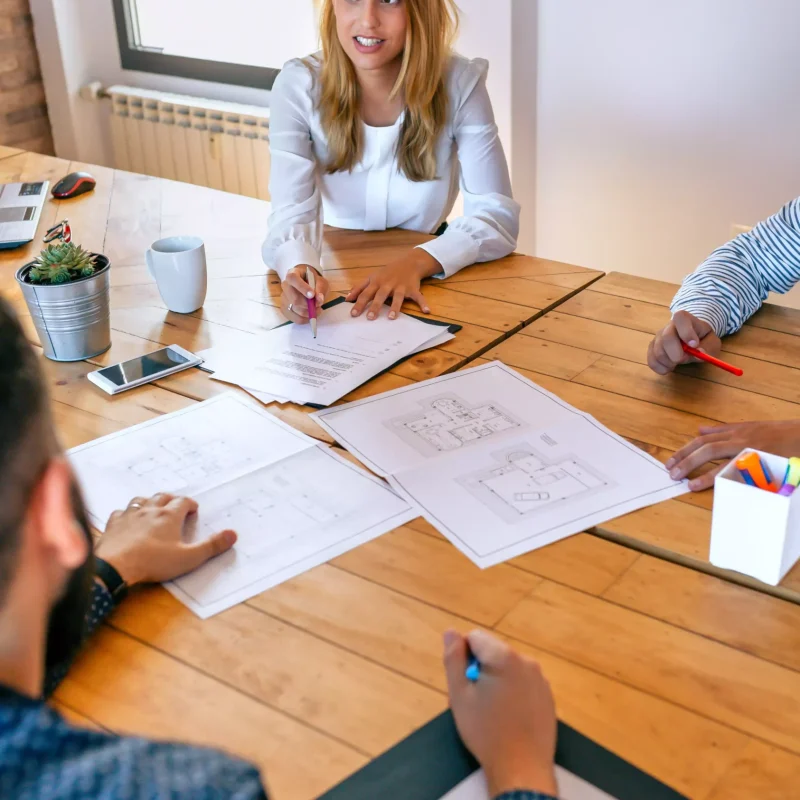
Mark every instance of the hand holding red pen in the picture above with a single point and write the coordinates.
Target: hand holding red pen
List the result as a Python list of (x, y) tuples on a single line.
[(666, 350), (700, 355)]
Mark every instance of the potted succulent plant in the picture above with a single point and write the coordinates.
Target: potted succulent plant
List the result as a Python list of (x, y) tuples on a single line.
[(66, 289)]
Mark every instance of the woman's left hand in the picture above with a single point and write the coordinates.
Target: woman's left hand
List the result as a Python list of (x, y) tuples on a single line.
[(399, 280)]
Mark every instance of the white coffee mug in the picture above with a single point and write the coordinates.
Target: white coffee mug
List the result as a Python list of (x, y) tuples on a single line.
[(178, 264)]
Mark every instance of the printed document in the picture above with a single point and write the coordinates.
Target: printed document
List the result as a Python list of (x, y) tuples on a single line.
[(293, 502), (570, 787), (496, 463), (289, 363), (214, 359)]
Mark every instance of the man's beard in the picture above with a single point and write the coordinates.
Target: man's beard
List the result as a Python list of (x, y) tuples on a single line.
[(67, 623)]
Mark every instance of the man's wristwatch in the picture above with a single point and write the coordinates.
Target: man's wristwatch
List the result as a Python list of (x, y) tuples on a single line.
[(117, 587)]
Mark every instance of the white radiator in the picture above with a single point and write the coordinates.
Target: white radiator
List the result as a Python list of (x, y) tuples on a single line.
[(206, 142)]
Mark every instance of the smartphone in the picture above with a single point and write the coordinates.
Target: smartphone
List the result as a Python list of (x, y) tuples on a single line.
[(144, 369)]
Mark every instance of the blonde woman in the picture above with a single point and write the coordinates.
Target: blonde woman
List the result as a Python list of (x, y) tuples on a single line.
[(374, 132)]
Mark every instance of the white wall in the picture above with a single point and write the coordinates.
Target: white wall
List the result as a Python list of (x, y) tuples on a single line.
[(661, 124), (486, 33), (524, 46)]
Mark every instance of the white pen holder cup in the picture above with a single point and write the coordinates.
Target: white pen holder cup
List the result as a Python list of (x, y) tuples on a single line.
[(178, 264), (754, 531)]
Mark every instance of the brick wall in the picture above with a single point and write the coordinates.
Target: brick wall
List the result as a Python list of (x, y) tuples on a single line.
[(23, 111)]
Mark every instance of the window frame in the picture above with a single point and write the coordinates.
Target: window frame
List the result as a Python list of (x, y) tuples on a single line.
[(136, 57)]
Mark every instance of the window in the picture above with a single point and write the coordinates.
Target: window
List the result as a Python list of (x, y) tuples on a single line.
[(242, 42)]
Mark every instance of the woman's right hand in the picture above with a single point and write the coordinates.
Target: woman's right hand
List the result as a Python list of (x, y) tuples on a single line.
[(296, 292)]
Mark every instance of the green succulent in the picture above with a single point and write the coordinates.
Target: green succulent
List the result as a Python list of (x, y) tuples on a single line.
[(61, 263)]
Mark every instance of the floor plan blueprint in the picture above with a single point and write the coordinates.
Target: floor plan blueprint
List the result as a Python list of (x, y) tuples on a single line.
[(447, 423), (271, 506), (522, 482), (179, 462), (292, 501), (496, 463)]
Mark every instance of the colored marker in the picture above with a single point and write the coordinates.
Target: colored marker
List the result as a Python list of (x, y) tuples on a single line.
[(787, 490), (754, 472), (792, 475), (311, 280), (473, 671), (693, 351)]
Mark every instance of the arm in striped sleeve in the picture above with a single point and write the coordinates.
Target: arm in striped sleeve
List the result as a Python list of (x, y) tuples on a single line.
[(733, 282)]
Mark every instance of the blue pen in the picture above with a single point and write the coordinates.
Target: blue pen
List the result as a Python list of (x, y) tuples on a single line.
[(473, 671), (746, 477)]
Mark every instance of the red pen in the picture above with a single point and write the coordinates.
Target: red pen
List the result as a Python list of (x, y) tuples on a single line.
[(711, 360), (311, 280)]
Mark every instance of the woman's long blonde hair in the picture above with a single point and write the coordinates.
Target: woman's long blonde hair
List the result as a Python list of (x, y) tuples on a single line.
[(432, 26)]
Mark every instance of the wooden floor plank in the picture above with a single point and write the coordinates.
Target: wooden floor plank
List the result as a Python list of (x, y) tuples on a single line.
[(634, 287), (582, 561), (134, 218), (7, 152), (519, 291), (692, 753), (628, 416), (351, 699), (558, 360), (569, 280), (751, 341), (75, 718), (432, 571), (761, 771), (518, 265), (749, 621), (734, 688), (459, 307), (131, 688), (771, 316), (726, 403), (592, 337), (671, 526), (68, 385)]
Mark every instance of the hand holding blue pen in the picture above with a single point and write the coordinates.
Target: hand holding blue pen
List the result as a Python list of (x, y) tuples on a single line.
[(473, 671), (504, 711)]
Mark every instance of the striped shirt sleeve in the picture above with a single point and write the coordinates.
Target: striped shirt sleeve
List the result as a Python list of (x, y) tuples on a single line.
[(733, 282)]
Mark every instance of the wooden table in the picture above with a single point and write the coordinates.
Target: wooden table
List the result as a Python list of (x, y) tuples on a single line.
[(592, 351), (690, 677)]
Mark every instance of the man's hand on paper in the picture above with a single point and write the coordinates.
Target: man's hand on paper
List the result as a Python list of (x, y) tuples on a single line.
[(399, 280), (726, 441), (296, 292), (144, 543), (666, 351), (507, 717)]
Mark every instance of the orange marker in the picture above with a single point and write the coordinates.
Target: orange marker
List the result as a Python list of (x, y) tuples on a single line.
[(755, 473)]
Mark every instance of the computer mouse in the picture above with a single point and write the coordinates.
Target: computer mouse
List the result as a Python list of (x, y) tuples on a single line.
[(74, 184)]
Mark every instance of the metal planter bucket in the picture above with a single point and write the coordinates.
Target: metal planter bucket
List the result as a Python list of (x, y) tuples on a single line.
[(72, 319)]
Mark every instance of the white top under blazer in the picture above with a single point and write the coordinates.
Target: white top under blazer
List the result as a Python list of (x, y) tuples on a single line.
[(376, 195)]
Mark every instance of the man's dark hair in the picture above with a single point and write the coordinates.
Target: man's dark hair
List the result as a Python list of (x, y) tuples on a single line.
[(26, 435)]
